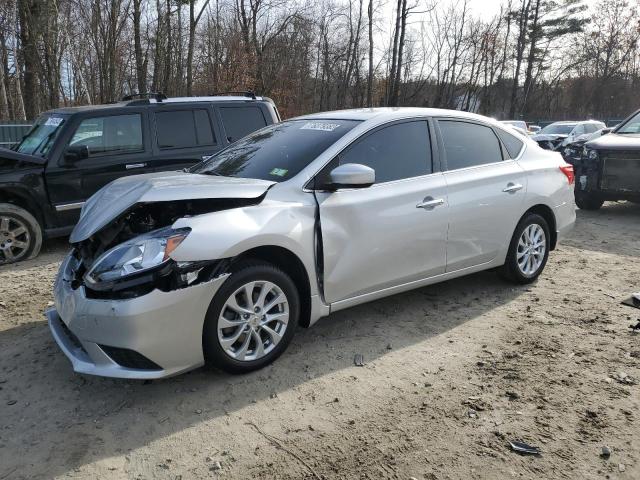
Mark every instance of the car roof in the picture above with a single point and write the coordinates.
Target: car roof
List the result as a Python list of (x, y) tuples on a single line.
[(153, 101), (383, 114)]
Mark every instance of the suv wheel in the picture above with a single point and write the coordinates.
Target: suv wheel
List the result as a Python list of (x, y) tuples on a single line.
[(251, 319), (587, 201), (20, 234), (528, 250)]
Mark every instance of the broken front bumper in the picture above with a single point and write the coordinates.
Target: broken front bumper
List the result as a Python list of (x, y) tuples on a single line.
[(152, 336)]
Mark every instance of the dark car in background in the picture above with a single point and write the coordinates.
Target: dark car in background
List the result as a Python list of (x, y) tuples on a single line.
[(609, 167), (70, 153)]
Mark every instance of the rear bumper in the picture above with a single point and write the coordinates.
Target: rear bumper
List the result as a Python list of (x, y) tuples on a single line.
[(565, 215), (161, 329)]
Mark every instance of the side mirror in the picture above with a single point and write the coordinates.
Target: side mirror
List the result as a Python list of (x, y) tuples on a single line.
[(604, 131), (352, 175), (74, 153)]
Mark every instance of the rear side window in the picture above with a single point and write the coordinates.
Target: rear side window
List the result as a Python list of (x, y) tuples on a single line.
[(241, 121), (511, 143), (395, 152), (469, 144), (184, 129), (109, 135)]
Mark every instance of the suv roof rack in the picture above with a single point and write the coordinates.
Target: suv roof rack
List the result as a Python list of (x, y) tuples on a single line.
[(245, 93), (157, 96)]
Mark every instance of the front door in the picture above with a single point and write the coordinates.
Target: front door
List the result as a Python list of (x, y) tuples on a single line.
[(116, 148), (393, 232)]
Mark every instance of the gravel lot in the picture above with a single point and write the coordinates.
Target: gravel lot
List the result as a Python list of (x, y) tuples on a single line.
[(453, 372)]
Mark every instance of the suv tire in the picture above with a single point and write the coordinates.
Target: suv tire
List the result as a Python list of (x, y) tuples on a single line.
[(20, 234), (234, 326), (587, 201), (529, 238)]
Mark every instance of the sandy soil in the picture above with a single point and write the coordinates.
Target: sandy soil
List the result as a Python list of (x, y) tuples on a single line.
[(453, 372)]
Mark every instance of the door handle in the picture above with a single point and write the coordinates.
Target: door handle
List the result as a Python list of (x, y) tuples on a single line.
[(429, 203), (512, 188), (130, 166)]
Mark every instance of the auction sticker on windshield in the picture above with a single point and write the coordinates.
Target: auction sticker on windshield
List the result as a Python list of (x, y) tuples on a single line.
[(326, 127), (53, 121)]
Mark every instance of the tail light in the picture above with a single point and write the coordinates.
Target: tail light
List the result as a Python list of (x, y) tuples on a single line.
[(568, 171)]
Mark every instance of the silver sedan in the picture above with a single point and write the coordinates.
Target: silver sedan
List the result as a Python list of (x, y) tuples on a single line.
[(220, 264)]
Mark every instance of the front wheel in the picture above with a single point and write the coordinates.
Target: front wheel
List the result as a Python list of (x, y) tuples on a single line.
[(20, 234), (528, 250), (586, 201), (251, 319)]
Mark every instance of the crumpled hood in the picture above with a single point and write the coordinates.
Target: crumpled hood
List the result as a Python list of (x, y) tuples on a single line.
[(614, 141), (118, 196), (10, 159)]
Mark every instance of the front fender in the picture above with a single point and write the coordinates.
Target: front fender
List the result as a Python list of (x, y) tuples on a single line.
[(229, 233)]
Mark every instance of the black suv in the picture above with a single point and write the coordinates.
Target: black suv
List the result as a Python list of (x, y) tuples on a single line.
[(609, 167), (70, 153)]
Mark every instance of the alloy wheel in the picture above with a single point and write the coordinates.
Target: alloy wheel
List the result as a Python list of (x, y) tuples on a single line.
[(532, 247), (253, 320), (14, 239)]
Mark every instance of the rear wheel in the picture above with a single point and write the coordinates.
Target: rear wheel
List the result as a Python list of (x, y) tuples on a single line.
[(588, 201), (20, 234), (251, 319), (528, 250)]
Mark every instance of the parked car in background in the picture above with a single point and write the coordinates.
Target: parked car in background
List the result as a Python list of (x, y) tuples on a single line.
[(219, 264), (558, 134), (533, 129), (70, 153), (609, 167), (572, 152), (520, 124)]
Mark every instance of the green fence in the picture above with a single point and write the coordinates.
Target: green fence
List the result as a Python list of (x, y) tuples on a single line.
[(11, 133)]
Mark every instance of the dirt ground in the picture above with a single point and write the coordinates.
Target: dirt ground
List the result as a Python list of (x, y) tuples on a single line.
[(453, 372)]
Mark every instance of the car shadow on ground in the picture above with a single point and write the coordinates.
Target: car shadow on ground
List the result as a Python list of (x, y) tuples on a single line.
[(69, 416)]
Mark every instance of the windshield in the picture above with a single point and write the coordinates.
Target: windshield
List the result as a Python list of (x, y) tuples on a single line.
[(42, 135), (278, 152), (558, 129), (631, 126)]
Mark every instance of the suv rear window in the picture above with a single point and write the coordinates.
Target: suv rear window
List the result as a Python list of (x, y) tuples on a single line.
[(184, 128), (241, 121)]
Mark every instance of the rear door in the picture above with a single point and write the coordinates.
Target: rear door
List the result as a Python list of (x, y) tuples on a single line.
[(486, 189), (393, 232), (183, 136), (118, 146)]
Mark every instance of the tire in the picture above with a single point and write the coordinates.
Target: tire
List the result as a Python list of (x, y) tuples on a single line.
[(20, 234), (586, 201), (512, 270), (246, 328)]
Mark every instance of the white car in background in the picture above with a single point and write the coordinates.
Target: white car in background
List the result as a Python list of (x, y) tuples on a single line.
[(559, 134), (219, 264)]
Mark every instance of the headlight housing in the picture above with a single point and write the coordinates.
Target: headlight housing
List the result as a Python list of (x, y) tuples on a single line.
[(135, 256)]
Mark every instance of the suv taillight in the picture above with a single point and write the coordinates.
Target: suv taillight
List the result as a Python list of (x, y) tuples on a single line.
[(568, 171)]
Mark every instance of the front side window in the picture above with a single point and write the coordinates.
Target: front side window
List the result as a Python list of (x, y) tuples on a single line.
[(113, 134), (184, 129), (42, 135), (241, 121), (277, 152), (630, 126), (395, 152), (469, 144), (558, 129)]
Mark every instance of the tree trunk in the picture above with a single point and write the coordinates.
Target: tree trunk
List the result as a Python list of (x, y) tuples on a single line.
[(141, 70), (370, 75)]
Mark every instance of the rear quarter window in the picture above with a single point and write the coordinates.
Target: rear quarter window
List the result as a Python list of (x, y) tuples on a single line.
[(511, 142), (239, 121)]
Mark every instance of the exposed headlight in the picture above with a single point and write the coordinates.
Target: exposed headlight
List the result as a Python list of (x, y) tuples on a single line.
[(568, 151), (592, 155), (136, 255)]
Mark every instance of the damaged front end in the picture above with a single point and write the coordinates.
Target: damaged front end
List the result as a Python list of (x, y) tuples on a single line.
[(130, 256)]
